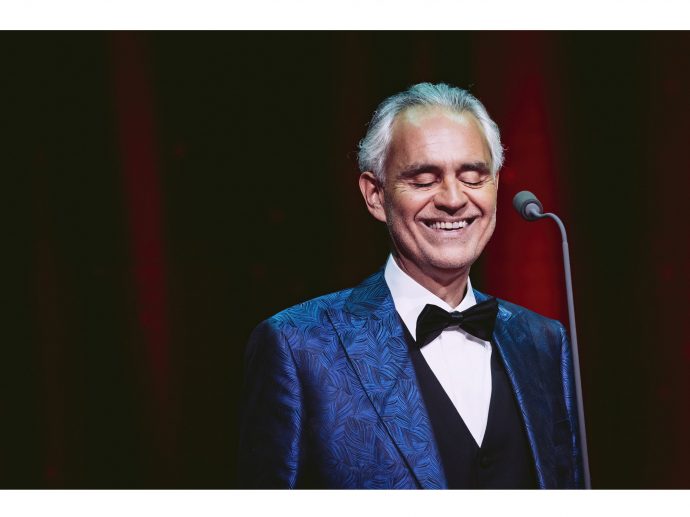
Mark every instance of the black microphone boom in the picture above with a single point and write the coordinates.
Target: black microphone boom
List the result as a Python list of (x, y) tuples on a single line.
[(529, 207)]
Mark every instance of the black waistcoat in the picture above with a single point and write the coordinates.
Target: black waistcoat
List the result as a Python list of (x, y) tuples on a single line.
[(504, 460)]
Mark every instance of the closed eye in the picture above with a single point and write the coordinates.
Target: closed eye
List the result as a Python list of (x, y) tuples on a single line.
[(474, 174), (475, 181)]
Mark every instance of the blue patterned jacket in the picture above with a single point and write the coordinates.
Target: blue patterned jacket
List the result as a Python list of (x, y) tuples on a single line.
[(331, 399)]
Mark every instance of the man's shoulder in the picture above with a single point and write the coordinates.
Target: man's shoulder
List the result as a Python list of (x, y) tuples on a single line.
[(513, 313), (311, 312), (527, 314), (315, 312)]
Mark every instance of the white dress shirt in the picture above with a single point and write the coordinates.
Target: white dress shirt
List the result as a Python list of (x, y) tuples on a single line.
[(460, 361)]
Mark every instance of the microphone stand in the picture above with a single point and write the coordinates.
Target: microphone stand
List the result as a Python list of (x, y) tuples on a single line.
[(534, 211)]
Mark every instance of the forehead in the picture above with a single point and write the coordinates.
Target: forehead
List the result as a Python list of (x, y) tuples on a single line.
[(437, 135)]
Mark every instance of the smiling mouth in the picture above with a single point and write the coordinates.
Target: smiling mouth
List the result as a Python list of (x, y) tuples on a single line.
[(449, 226)]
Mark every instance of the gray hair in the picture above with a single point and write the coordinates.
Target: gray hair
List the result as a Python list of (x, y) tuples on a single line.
[(373, 148)]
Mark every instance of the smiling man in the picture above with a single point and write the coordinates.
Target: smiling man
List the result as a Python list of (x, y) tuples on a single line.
[(413, 379)]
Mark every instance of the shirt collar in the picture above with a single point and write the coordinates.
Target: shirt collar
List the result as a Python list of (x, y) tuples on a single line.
[(410, 297)]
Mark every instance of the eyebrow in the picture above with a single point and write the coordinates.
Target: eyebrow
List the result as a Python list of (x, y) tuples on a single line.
[(482, 167), (419, 168)]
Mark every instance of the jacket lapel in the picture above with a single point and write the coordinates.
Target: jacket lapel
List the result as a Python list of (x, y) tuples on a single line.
[(516, 348), (372, 335)]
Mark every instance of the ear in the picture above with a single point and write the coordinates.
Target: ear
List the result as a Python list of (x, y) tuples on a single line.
[(496, 179), (372, 191)]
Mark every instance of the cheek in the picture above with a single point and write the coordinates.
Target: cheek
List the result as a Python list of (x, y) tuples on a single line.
[(404, 205), (488, 202)]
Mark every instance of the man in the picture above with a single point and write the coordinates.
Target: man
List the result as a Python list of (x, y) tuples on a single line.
[(413, 379)]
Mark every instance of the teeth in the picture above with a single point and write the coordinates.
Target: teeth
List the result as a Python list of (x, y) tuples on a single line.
[(442, 225)]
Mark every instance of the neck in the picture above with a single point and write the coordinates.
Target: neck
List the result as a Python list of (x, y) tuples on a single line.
[(449, 286)]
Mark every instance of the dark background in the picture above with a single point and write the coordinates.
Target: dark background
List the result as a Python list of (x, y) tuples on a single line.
[(167, 191)]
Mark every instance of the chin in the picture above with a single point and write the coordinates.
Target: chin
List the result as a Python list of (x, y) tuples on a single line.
[(450, 263)]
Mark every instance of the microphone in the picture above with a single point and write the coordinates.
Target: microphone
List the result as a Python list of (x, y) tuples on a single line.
[(529, 207)]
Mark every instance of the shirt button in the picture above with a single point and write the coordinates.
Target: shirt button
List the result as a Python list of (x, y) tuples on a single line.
[(484, 461)]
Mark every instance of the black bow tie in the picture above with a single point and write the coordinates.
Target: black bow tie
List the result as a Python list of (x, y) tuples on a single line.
[(478, 320)]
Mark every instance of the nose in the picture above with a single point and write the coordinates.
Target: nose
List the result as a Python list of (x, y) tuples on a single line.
[(450, 197)]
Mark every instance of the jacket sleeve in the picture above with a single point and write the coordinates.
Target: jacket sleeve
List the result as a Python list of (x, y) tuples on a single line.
[(272, 412), (568, 379)]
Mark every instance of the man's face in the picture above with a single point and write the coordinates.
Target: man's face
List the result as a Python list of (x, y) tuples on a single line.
[(439, 198)]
